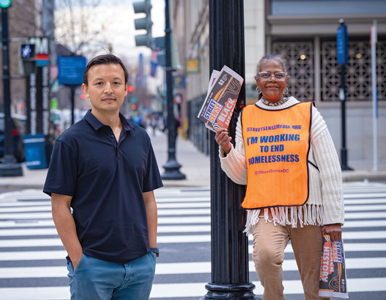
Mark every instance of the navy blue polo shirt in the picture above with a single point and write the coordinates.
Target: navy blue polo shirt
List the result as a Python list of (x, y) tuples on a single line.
[(106, 179)]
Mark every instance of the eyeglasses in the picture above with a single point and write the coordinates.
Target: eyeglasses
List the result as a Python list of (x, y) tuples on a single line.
[(268, 75)]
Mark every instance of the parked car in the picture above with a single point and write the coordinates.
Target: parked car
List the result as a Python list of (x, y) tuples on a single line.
[(18, 129)]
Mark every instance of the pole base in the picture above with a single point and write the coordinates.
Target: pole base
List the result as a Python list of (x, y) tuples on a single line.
[(173, 174), (172, 171), (230, 291), (346, 168), (344, 156), (10, 170)]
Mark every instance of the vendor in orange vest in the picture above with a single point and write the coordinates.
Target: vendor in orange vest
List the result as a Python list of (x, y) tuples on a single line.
[(285, 155)]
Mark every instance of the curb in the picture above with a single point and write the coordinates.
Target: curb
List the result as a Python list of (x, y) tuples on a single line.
[(349, 176)]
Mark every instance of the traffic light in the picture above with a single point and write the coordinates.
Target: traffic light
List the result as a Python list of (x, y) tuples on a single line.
[(143, 23), (5, 3), (130, 89), (133, 107)]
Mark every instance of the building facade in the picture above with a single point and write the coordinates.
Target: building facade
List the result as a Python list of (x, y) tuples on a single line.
[(305, 32)]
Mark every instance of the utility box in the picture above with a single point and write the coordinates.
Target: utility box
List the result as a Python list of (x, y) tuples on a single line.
[(35, 151)]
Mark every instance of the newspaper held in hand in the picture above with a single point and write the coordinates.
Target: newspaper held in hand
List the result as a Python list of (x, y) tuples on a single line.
[(223, 91), (333, 280)]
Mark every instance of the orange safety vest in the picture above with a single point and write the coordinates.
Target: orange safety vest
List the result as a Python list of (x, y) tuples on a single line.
[(277, 143)]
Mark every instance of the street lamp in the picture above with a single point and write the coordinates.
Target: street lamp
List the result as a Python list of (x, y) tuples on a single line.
[(229, 245), (9, 167), (172, 167), (342, 58)]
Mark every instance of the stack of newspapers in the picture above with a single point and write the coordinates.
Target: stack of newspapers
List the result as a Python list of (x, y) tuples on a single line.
[(333, 280), (220, 101)]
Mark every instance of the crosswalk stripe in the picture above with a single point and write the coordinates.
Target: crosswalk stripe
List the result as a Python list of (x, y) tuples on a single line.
[(181, 268), (362, 224), (42, 208), (60, 254), (160, 202), (33, 255), (52, 231), (18, 203), (181, 212), (161, 220), (348, 247), (185, 220), (181, 290), (170, 229), (368, 215), (182, 201), (367, 201), (172, 200), (160, 213), (364, 196), (169, 203), (27, 223), (364, 207), (25, 209), (177, 290), (176, 209), (357, 235)]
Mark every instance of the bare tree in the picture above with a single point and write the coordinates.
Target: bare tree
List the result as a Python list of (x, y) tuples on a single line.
[(80, 25)]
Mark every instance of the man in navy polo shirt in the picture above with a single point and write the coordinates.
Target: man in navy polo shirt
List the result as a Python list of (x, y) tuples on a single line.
[(104, 169)]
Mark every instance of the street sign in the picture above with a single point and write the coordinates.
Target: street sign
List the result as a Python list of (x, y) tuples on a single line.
[(192, 66), (71, 69), (42, 57), (179, 82), (342, 45)]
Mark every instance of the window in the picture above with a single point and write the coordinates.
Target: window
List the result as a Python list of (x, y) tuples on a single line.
[(358, 71)]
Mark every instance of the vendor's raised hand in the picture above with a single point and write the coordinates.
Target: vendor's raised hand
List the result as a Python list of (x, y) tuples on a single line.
[(223, 139)]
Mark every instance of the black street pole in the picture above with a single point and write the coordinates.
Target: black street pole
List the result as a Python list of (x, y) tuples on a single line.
[(9, 167), (343, 151), (72, 104), (229, 245), (172, 167), (342, 96)]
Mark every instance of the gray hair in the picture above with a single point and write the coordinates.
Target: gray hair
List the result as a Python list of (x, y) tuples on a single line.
[(279, 57)]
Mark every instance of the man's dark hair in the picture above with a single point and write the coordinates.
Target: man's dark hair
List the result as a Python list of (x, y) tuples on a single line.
[(105, 59)]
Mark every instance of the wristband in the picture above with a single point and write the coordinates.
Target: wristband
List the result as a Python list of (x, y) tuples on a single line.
[(155, 251)]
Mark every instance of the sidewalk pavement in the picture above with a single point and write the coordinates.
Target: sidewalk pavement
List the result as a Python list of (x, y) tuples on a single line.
[(195, 165)]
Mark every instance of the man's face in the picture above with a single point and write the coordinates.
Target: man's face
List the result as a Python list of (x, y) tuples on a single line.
[(106, 87)]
